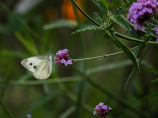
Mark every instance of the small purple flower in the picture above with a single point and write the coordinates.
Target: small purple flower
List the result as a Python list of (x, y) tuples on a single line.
[(141, 11), (156, 40), (156, 30), (62, 57), (29, 116), (101, 110)]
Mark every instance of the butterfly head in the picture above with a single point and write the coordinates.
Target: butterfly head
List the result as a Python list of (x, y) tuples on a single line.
[(49, 57)]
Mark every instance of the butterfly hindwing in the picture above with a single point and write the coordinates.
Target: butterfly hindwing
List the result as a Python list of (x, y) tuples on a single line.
[(32, 62), (43, 69)]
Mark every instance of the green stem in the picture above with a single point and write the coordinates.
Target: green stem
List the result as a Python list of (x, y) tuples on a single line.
[(47, 81), (135, 68), (94, 3), (6, 110), (152, 24), (98, 57), (117, 34), (154, 20), (86, 15), (134, 39), (107, 20)]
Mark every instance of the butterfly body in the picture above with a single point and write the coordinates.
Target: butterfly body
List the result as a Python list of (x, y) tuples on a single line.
[(40, 66)]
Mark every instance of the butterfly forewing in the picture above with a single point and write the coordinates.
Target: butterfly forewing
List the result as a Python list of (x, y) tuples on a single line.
[(43, 69), (32, 62)]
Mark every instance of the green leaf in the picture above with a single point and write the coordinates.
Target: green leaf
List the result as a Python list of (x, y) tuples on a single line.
[(145, 99), (111, 6), (60, 23), (105, 3), (102, 6), (119, 11), (132, 33), (128, 4), (27, 43), (121, 21), (136, 50), (155, 80), (146, 38), (89, 28), (97, 18), (153, 70), (129, 53)]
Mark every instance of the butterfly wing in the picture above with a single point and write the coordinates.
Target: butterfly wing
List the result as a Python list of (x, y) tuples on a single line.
[(32, 62), (43, 69)]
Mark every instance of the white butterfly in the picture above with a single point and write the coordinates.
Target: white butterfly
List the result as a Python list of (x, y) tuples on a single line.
[(40, 66)]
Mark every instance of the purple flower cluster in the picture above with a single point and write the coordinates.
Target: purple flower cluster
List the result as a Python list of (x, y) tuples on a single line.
[(156, 29), (62, 57), (156, 32), (141, 11), (101, 110)]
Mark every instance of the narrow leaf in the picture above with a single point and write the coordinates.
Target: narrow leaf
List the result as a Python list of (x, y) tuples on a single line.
[(153, 70), (129, 53), (102, 6), (155, 80), (128, 4), (89, 28), (145, 99), (60, 23), (120, 21), (111, 6), (136, 50), (105, 3), (68, 112), (132, 33), (119, 11), (97, 18)]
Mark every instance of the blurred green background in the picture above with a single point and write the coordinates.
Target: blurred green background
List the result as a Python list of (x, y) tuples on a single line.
[(49, 23)]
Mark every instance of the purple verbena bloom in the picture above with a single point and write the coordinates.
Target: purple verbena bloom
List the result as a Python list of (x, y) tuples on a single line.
[(29, 116), (156, 30), (62, 57), (142, 11), (101, 110)]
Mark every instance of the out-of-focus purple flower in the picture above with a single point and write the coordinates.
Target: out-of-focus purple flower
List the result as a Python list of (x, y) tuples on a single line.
[(62, 57), (101, 110), (29, 116), (156, 40), (141, 11), (156, 30)]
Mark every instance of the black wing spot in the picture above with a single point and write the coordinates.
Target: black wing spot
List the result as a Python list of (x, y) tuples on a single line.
[(34, 66), (30, 63)]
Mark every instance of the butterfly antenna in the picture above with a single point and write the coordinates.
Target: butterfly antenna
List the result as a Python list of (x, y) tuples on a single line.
[(50, 49)]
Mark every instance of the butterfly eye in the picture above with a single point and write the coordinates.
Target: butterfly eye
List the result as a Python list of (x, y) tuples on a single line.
[(30, 63), (34, 66)]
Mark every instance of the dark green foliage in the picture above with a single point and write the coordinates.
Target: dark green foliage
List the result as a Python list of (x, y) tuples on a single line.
[(120, 21), (89, 28), (129, 53), (97, 18)]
